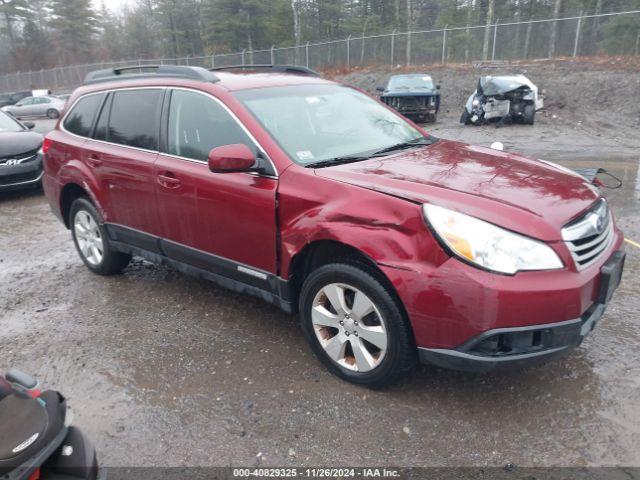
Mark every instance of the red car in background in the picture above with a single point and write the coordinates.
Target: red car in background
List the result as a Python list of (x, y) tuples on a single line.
[(392, 245)]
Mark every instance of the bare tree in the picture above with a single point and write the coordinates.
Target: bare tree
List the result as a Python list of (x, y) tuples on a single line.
[(409, 28), (470, 8), (487, 30), (595, 24), (554, 29), (527, 35), (297, 30)]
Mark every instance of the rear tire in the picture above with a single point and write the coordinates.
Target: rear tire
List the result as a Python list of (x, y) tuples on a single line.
[(92, 241), (464, 118), (373, 349), (52, 114)]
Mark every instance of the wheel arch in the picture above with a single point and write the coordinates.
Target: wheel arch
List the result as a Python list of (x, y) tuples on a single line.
[(321, 252), (69, 193)]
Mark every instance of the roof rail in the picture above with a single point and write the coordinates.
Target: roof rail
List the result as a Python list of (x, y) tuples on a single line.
[(293, 69), (150, 71)]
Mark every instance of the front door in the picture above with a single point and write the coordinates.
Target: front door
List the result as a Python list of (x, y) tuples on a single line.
[(221, 222), (24, 108)]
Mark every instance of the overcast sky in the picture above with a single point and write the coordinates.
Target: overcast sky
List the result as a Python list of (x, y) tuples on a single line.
[(113, 5)]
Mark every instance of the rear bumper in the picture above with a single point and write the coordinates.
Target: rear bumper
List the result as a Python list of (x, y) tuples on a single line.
[(24, 175), (536, 344)]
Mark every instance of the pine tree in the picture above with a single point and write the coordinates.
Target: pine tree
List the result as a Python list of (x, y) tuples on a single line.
[(11, 12), (74, 24)]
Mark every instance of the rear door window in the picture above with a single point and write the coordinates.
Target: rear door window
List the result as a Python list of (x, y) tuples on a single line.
[(134, 119), (80, 118)]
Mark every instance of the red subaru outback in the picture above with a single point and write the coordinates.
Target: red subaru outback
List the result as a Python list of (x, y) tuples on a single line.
[(391, 244)]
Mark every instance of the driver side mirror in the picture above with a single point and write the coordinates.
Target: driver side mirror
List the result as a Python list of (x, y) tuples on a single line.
[(232, 158), (380, 89), (29, 125), (437, 87)]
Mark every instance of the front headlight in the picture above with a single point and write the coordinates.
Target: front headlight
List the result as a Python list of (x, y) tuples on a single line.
[(475, 102), (488, 246)]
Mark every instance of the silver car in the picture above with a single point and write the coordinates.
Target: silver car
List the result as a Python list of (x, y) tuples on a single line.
[(44, 106)]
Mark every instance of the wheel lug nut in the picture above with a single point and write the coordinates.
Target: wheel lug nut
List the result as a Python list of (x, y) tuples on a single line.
[(346, 333), (355, 333)]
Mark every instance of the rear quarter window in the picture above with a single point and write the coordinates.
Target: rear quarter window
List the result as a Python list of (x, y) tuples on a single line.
[(80, 119), (135, 118)]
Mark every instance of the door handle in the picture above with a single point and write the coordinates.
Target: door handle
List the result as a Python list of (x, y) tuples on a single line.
[(168, 180), (94, 161)]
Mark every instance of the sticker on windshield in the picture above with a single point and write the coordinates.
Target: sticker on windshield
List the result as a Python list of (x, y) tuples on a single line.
[(426, 79), (312, 100), (304, 155)]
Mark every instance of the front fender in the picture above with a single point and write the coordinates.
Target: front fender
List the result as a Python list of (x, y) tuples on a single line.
[(389, 230)]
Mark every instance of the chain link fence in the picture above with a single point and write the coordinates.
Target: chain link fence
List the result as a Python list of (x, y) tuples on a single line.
[(582, 35)]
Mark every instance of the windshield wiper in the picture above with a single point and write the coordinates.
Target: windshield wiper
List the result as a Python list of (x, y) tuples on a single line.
[(402, 146), (377, 153), (337, 161)]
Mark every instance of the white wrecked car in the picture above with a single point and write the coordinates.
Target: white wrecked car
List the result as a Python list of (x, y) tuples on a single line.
[(502, 99)]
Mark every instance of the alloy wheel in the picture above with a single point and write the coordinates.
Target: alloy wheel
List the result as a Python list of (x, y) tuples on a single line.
[(349, 327), (88, 237)]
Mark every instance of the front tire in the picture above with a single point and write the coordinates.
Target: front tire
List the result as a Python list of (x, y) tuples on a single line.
[(529, 114), (355, 325), (92, 241)]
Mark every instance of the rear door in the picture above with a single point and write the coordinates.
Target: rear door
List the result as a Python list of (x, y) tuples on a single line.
[(219, 222), (40, 106), (121, 155)]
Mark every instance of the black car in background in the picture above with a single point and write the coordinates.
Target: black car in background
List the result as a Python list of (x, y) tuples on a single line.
[(413, 95), (7, 99), (20, 154)]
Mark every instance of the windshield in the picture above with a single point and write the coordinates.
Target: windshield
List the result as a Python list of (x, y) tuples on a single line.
[(7, 124), (314, 123), (410, 82)]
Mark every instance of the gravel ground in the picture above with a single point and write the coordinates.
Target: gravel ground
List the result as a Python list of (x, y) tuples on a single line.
[(164, 370)]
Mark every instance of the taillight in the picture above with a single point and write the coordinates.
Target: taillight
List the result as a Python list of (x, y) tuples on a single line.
[(46, 144)]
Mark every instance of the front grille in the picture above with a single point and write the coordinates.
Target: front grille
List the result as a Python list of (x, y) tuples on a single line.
[(410, 103), (16, 159), (589, 236)]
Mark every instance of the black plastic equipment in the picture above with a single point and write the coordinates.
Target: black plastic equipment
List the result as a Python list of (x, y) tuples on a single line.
[(294, 69), (150, 71), (20, 378)]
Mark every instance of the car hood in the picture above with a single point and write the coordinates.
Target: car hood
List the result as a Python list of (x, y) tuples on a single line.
[(521, 194), (410, 92), (491, 85), (17, 143)]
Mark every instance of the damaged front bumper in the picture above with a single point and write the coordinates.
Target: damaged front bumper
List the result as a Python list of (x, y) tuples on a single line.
[(515, 347), (528, 345), (415, 105)]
